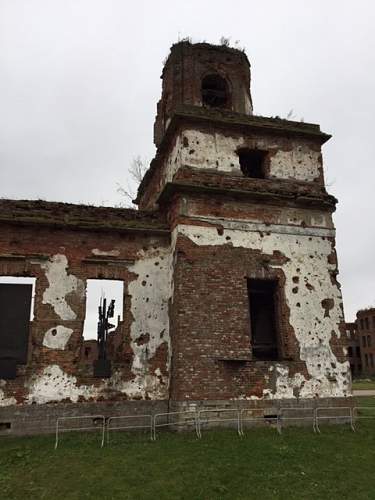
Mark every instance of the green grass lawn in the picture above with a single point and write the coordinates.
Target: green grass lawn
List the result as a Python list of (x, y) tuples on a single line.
[(337, 464), (359, 384)]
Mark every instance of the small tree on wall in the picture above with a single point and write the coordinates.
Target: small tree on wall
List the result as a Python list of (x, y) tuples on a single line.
[(137, 170)]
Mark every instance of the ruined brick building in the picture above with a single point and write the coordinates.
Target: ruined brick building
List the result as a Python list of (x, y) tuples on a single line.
[(229, 267), (365, 326), (354, 349)]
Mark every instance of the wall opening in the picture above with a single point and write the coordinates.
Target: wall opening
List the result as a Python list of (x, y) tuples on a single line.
[(97, 290), (16, 312), (262, 305), (21, 280), (215, 92), (252, 162)]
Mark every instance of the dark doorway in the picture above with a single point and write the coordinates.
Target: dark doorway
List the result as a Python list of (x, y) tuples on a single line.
[(15, 304), (262, 303)]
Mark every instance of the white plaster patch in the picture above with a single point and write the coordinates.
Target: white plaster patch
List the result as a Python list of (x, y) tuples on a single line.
[(308, 259), (57, 337), (217, 151), (150, 293), (60, 285), (105, 253), (54, 385), (301, 164)]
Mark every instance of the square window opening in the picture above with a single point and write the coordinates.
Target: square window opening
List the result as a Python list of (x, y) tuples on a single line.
[(263, 319), (96, 291), (16, 312), (252, 162), (21, 280)]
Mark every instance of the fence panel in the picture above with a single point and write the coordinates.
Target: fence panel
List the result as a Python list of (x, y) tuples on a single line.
[(330, 413), (175, 419), (219, 415), (306, 414), (124, 423), (79, 424), (258, 415)]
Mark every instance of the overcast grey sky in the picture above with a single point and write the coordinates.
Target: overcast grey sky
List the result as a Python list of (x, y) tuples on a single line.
[(79, 82)]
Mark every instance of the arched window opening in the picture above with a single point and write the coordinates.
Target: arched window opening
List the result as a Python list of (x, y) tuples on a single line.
[(252, 162), (215, 93)]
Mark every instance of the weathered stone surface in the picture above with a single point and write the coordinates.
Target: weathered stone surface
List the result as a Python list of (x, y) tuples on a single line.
[(205, 230)]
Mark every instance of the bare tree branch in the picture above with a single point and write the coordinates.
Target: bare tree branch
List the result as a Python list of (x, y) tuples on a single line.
[(137, 170)]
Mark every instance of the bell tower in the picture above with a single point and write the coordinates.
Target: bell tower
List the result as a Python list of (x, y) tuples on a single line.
[(212, 76), (256, 309)]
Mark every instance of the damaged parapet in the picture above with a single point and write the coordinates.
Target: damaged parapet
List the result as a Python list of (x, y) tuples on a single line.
[(229, 268), (201, 74)]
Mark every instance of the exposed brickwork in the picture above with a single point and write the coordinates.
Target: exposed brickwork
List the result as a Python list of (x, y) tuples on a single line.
[(354, 349), (23, 252), (216, 339), (366, 336), (206, 226), (184, 69)]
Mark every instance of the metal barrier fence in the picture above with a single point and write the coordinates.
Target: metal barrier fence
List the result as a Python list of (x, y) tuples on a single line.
[(117, 423), (213, 416), (358, 415), (92, 419), (175, 419), (327, 409), (297, 418), (258, 415), (199, 419)]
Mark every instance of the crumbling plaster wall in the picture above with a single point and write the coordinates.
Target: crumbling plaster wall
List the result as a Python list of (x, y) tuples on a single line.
[(53, 372), (212, 211), (310, 279), (295, 159)]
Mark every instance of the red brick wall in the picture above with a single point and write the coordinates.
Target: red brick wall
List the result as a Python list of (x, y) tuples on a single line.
[(34, 246)]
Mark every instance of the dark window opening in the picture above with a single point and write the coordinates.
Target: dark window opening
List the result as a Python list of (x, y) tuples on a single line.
[(366, 359), (358, 351), (15, 311), (361, 322), (262, 304), (350, 351), (215, 92), (252, 162), (367, 323), (368, 341), (363, 341), (5, 426)]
